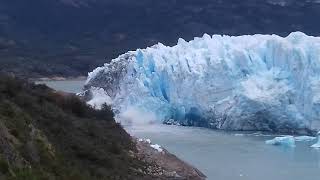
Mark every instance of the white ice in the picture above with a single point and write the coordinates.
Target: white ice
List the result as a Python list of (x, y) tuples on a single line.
[(99, 97), (145, 140), (250, 82), (156, 147), (287, 141), (305, 138), (317, 145)]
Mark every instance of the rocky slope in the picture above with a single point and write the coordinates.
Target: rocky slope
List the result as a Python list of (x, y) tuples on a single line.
[(169, 166), (51, 135)]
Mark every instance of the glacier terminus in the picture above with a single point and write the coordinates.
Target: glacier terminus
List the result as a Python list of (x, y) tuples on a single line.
[(249, 82)]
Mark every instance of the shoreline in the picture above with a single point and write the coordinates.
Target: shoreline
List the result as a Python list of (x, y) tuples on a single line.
[(59, 78), (163, 164)]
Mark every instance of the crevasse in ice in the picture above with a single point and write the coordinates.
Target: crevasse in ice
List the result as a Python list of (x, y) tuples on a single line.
[(250, 82)]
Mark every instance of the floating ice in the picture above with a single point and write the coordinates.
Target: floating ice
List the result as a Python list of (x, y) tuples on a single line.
[(305, 138), (257, 134), (317, 145), (288, 141), (252, 82)]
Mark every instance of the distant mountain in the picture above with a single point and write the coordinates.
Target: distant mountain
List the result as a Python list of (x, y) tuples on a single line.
[(71, 37)]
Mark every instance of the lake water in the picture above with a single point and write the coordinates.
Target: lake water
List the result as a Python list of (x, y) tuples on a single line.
[(224, 155), (70, 86)]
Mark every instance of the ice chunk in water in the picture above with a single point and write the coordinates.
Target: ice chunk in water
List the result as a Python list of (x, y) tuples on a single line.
[(317, 145), (305, 138), (283, 141)]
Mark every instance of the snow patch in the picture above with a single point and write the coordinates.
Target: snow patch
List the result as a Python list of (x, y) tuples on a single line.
[(156, 147), (145, 140)]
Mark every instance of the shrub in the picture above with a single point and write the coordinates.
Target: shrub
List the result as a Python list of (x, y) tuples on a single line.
[(76, 140), (4, 167)]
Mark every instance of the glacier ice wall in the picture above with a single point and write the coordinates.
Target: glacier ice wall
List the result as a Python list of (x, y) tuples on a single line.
[(251, 82)]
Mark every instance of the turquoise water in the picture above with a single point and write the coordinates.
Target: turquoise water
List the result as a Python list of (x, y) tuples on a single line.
[(226, 155)]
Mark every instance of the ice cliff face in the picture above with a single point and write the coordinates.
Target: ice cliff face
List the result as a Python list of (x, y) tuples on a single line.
[(258, 82)]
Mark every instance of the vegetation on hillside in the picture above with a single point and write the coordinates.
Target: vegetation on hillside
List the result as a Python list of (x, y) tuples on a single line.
[(50, 135)]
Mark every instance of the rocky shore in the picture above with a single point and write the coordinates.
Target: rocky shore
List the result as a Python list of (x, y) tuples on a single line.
[(162, 164), (165, 165)]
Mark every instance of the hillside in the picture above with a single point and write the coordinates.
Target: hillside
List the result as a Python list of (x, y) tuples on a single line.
[(49, 135), (72, 37)]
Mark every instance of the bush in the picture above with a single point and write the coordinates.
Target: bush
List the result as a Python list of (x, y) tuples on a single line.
[(24, 174), (75, 139), (4, 167)]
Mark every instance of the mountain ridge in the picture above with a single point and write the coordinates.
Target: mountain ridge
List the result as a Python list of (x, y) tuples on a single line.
[(71, 37)]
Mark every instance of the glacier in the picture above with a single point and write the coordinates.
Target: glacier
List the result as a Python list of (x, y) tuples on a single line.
[(249, 82)]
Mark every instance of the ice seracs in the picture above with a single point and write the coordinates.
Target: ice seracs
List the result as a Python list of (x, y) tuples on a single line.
[(287, 141), (251, 82)]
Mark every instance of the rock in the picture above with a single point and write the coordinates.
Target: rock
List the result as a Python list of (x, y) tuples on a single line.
[(167, 165)]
